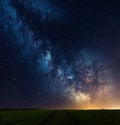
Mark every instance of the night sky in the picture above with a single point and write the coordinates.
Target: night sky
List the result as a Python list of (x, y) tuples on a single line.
[(59, 54)]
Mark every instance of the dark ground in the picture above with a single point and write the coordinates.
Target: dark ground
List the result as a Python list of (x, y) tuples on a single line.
[(59, 117)]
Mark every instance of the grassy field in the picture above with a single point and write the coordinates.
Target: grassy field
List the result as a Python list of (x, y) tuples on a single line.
[(59, 117)]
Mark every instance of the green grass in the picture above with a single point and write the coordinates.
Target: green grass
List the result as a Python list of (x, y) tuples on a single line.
[(97, 117), (60, 117)]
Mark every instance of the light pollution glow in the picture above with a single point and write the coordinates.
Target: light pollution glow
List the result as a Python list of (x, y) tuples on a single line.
[(103, 98)]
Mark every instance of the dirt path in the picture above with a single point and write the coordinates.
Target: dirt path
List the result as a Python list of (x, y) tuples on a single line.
[(60, 118), (49, 119)]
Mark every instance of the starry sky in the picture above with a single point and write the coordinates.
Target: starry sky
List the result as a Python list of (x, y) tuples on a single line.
[(59, 54)]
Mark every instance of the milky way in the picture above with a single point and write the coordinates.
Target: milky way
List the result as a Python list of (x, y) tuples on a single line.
[(62, 70)]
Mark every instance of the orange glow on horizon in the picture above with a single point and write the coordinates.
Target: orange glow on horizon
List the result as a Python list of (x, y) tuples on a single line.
[(97, 107)]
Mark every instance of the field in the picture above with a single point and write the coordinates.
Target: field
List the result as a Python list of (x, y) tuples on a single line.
[(59, 117)]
